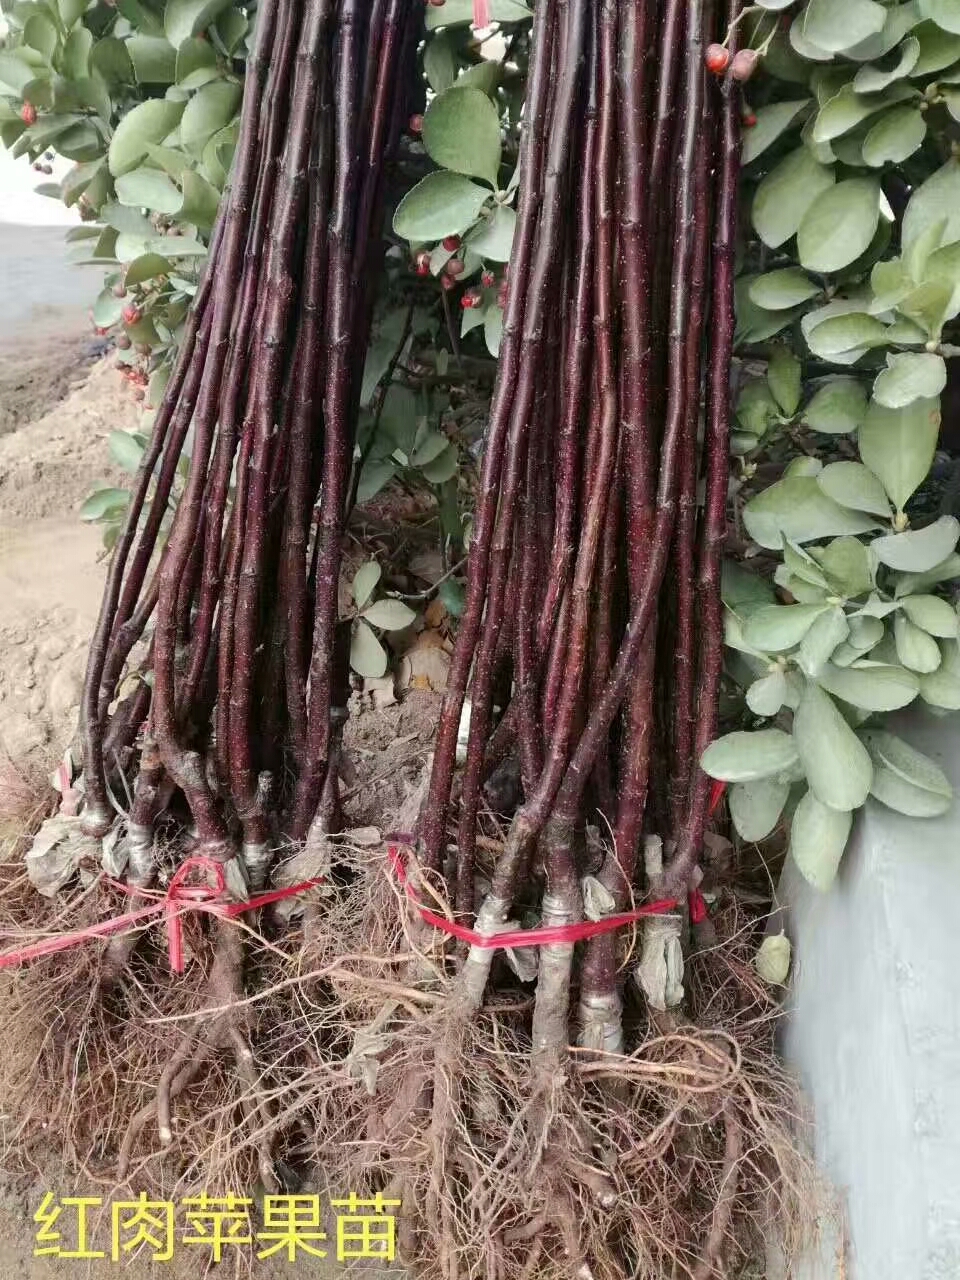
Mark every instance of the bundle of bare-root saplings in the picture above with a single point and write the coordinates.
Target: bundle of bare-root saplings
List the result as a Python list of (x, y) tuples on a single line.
[(225, 735), (588, 1101)]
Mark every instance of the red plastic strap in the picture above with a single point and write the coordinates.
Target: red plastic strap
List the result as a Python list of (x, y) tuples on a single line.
[(481, 13), (179, 898), (564, 934)]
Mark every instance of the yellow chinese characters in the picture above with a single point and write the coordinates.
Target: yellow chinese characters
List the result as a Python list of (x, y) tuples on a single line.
[(366, 1235), (293, 1226)]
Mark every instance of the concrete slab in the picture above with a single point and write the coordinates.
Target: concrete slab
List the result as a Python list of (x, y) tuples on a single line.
[(874, 1032)]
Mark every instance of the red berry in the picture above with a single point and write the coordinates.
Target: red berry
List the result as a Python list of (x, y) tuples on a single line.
[(451, 243), (38, 168), (119, 290), (749, 120), (717, 59), (744, 64), (454, 267), (123, 342), (415, 124), (131, 314), (421, 263), (471, 299), (102, 333), (488, 279), (47, 168), (448, 282), (28, 113), (436, 3)]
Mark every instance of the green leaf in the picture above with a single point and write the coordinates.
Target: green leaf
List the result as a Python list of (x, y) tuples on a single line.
[(871, 79), (905, 779), (937, 198), (367, 655), (200, 201), (457, 12), (148, 189), (375, 474), (147, 267), (195, 55), (837, 407), (126, 450), (429, 448), (739, 588), (854, 485), (774, 628), (938, 49), (933, 614), (948, 568), (945, 13), (772, 960), (755, 807), (364, 581), (850, 567), (772, 121), (895, 136), (154, 59), (453, 597), (183, 18), (443, 467), (915, 648), (208, 111), (442, 204), (783, 377), (797, 508), (104, 502), (898, 446), (828, 631), (847, 109), (910, 376), (756, 409), (872, 686), (40, 34), (767, 695), (918, 550), (461, 132), (439, 63), (72, 10), (835, 27), (389, 615), (850, 331), (147, 123), (14, 73), (745, 757), (232, 26), (941, 688), (111, 59), (839, 226), (76, 53), (835, 761), (493, 237), (818, 837), (778, 290), (107, 309), (786, 194)]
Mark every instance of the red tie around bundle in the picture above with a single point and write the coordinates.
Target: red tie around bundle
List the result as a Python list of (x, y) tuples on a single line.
[(563, 934), (179, 898)]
